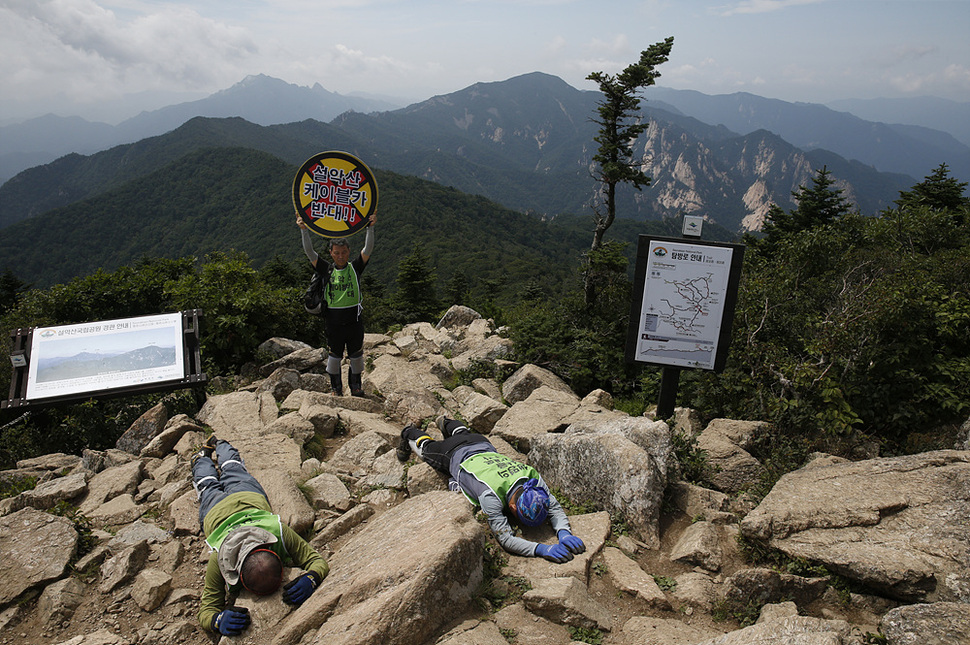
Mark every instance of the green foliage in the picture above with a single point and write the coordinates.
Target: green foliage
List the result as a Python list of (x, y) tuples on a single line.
[(620, 125), (570, 506), (479, 369), (416, 297), (582, 343), (938, 191), (691, 460), (82, 524), (858, 327), (589, 635), (13, 486), (665, 583), (240, 309), (745, 613), (820, 205)]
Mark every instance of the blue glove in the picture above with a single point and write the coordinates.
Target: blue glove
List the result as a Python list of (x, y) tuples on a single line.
[(297, 590), (571, 542), (231, 621), (555, 553)]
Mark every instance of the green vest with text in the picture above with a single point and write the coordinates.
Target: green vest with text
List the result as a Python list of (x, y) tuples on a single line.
[(343, 291), (498, 472), (249, 517)]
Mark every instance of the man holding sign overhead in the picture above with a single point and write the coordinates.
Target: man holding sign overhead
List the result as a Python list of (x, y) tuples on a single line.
[(335, 195)]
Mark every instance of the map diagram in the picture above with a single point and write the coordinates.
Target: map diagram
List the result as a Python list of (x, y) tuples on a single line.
[(683, 304)]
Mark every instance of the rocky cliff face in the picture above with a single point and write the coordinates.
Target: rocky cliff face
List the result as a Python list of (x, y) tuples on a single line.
[(410, 562)]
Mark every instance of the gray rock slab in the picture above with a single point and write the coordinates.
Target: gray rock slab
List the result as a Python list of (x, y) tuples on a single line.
[(592, 528), (238, 415), (650, 630), (405, 573), (940, 623), (792, 630), (543, 412), (36, 548), (530, 629), (606, 469), (529, 378), (629, 577), (897, 525), (567, 601)]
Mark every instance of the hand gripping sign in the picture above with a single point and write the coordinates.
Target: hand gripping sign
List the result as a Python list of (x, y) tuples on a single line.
[(335, 194)]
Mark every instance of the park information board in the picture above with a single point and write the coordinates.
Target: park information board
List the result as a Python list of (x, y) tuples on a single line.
[(683, 305), (105, 358), (335, 194), (105, 355)]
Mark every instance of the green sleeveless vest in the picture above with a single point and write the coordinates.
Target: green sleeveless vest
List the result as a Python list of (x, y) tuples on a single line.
[(343, 291), (498, 472), (250, 517)]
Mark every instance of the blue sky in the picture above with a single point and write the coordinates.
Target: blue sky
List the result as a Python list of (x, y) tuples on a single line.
[(74, 56)]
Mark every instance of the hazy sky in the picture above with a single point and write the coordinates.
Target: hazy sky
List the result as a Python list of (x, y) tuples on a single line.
[(68, 56)]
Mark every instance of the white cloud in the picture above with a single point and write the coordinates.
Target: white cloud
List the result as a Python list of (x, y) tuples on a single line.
[(761, 6), (81, 49)]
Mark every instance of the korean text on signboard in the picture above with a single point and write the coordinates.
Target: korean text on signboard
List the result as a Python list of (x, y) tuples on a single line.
[(685, 305), (335, 194)]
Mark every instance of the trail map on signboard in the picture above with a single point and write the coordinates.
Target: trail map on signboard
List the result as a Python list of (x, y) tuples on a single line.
[(686, 299)]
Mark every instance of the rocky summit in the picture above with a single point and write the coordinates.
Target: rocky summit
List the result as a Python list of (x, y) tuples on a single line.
[(873, 551)]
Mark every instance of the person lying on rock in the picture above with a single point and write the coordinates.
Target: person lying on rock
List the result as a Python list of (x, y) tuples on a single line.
[(249, 544), (500, 486)]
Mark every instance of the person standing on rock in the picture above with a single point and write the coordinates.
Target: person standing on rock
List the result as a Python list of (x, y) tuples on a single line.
[(497, 484), (344, 319), (249, 544)]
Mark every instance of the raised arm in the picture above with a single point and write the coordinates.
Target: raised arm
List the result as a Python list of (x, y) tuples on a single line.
[(307, 242), (365, 252)]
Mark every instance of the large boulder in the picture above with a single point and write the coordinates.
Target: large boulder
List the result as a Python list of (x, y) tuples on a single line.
[(545, 410), (36, 548), (529, 378), (800, 630), (897, 525), (238, 414), (939, 623), (407, 573), (609, 470), (143, 430)]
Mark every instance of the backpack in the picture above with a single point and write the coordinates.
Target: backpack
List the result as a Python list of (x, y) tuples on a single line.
[(313, 298)]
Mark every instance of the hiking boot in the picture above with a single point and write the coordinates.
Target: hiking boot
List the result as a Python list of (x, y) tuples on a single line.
[(404, 447), (336, 385), (354, 380), (410, 433), (207, 449), (443, 422), (440, 422)]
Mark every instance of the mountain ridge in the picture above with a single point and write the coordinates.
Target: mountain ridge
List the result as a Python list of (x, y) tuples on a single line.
[(525, 143)]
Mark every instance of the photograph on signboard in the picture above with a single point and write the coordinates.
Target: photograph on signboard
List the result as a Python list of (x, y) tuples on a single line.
[(104, 355)]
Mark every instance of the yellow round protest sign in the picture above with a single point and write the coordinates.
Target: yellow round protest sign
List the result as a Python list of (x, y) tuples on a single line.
[(335, 194)]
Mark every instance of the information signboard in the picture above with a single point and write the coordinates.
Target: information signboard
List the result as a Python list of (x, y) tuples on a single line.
[(683, 305), (335, 194), (106, 357)]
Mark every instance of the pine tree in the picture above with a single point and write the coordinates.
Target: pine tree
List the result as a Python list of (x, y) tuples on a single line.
[(938, 191), (416, 298), (820, 205)]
